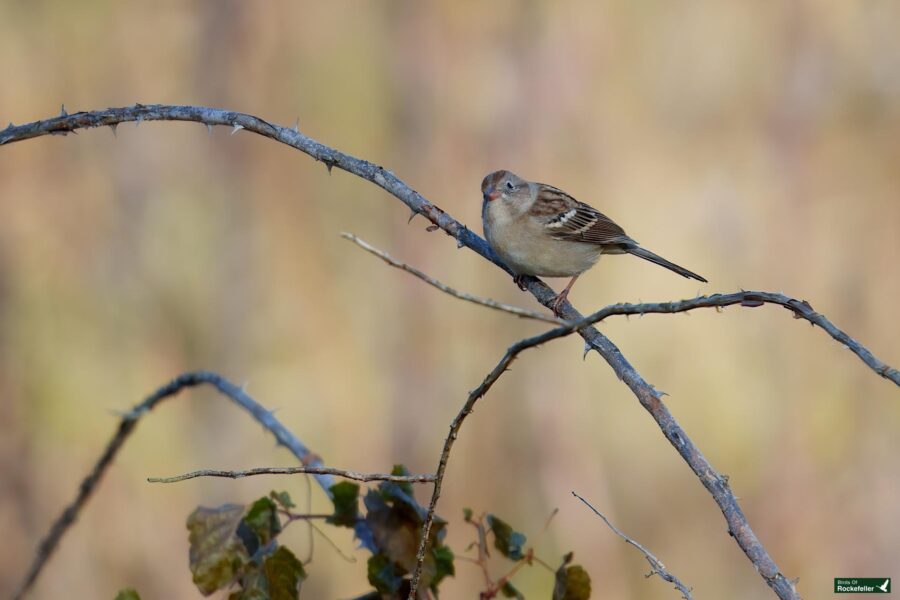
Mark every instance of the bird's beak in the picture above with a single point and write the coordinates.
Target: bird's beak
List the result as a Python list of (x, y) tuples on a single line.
[(491, 194)]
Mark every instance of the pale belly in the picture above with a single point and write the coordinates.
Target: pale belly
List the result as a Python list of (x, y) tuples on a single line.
[(543, 256)]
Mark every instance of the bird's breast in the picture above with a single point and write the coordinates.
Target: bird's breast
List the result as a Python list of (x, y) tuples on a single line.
[(526, 249)]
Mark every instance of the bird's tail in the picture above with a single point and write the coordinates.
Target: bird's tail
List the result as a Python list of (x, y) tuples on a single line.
[(659, 260)]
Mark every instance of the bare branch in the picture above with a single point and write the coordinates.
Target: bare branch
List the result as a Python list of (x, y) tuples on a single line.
[(65, 123), (455, 426), (355, 475), (800, 309), (515, 310), (656, 565), (129, 421), (649, 398), (716, 484)]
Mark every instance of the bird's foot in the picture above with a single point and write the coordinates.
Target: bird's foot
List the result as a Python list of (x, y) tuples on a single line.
[(519, 280), (556, 305)]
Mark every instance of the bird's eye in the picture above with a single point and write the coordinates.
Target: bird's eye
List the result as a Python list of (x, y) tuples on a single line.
[(509, 186)]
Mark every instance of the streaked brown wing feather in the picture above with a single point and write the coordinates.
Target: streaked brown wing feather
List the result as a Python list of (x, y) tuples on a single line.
[(567, 218)]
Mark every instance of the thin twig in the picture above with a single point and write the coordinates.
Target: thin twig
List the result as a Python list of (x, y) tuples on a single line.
[(291, 517), (348, 558), (311, 539), (480, 544), (515, 310), (129, 421), (656, 565), (455, 426), (801, 309), (355, 475)]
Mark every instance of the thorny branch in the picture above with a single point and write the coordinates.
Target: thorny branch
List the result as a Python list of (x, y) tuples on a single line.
[(648, 397), (656, 565), (129, 421), (355, 475), (800, 308)]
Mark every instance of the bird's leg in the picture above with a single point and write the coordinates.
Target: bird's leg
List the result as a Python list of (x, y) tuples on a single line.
[(557, 302), (519, 280)]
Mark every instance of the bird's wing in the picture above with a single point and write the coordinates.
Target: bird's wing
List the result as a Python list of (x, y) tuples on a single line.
[(566, 218)]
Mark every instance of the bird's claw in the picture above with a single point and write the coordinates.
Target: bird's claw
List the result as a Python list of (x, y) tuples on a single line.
[(556, 305), (519, 280)]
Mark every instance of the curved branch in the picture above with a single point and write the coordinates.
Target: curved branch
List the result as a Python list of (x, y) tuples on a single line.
[(800, 309), (129, 421), (482, 389), (69, 123)]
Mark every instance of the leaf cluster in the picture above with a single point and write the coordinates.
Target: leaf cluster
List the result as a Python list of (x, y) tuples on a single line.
[(234, 547)]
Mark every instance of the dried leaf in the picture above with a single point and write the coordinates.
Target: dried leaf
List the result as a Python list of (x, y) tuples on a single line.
[(216, 553)]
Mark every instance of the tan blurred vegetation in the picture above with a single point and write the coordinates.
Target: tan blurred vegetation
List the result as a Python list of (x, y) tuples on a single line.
[(756, 143)]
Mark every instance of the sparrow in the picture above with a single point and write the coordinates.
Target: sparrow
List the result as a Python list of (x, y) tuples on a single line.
[(537, 229)]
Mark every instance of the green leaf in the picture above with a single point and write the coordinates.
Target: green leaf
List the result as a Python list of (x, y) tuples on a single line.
[(216, 553), (509, 591), (394, 529), (284, 573), (253, 584), (405, 486), (345, 496), (128, 594), (283, 499), (572, 582), (251, 593), (262, 519), (508, 541), (385, 575), (394, 520), (443, 565)]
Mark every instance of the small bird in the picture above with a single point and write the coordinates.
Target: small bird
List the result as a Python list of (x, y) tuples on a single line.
[(537, 229)]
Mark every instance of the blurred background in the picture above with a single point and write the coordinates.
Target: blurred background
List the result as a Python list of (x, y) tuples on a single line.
[(755, 143)]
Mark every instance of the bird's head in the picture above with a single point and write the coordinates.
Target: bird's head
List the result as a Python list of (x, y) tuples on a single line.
[(503, 185)]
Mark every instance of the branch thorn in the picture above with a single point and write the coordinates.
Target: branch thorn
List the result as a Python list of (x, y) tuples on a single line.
[(112, 127), (62, 111), (236, 128)]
